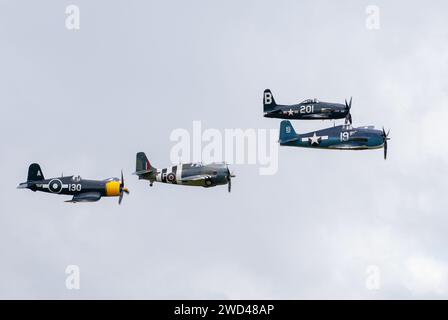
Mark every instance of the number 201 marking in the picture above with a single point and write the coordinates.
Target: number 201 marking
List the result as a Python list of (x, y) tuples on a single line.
[(307, 109)]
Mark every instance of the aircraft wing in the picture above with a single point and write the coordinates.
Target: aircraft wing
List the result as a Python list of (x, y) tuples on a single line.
[(196, 178), (85, 197), (359, 139), (318, 115)]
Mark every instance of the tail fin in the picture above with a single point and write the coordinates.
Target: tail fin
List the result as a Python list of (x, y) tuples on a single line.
[(143, 165), (35, 173), (268, 101), (287, 132)]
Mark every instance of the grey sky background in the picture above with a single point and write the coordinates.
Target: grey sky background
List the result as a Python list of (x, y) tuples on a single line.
[(85, 102)]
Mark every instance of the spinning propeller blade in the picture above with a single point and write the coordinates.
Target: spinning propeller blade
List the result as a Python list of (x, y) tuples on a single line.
[(348, 106), (229, 179), (122, 189), (385, 138)]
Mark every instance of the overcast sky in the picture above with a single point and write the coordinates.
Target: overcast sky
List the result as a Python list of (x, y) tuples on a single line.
[(84, 102)]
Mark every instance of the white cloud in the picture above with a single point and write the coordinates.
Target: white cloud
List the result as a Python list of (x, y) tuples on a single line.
[(426, 275)]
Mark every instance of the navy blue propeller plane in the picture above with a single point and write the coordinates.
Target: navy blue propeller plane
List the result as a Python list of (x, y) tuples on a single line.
[(343, 137), (190, 174), (310, 109), (81, 190)]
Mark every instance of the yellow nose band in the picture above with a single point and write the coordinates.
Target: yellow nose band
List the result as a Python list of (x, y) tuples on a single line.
[(113, 189)]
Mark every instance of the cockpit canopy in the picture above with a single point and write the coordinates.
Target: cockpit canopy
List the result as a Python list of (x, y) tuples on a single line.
[(308, 101), (76, 178), (197, 164)]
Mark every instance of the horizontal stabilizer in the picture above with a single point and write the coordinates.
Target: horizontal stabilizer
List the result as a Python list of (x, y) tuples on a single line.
[(23, 185), (142, 172), (288, 140), (275, 111)]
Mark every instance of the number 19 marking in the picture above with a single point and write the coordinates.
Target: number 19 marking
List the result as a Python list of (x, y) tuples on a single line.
[(344, 136)]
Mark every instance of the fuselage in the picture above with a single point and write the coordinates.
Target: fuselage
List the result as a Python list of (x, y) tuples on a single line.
[(342, 137), (311, 109), (73, 185), (192, 174)]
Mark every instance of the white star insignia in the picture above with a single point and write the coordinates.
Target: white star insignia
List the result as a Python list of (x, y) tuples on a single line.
[(314, 139), (290, 112)]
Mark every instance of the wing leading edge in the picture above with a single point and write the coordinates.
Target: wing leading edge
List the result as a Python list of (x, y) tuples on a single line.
[(85, 197)]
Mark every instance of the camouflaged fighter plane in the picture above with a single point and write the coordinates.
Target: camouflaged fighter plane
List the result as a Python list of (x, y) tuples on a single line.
[(343, 137), (310, 109), (190, 174), (81, 190)]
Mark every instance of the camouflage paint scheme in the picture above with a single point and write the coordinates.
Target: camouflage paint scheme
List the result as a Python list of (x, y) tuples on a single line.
[(189, 174)]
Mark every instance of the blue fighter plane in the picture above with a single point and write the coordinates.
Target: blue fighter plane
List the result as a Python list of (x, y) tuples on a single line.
[(343, 137), (309, 109)]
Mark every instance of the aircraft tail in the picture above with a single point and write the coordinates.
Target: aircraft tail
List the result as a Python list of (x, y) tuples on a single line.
[(35, 173), (268, 101), (287, 132), (143, 166)]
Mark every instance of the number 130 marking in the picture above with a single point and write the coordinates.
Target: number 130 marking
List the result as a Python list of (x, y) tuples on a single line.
[(74, 187)]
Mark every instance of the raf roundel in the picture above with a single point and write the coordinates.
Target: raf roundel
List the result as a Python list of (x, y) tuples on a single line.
[(55, 186), (171, 177)]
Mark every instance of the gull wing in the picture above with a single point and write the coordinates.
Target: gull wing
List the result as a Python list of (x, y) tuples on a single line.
[(85, 197)]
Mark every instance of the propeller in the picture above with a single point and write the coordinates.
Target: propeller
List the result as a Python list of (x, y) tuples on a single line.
[(385, 138), (229, 179), (348, 117), (122, 189)]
